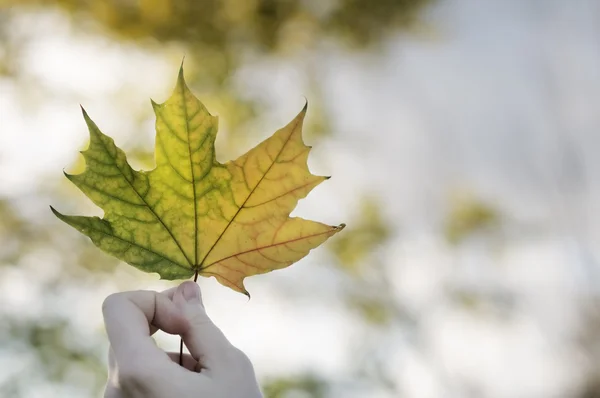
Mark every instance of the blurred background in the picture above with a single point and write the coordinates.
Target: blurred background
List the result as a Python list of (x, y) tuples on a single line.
[(461, 136)]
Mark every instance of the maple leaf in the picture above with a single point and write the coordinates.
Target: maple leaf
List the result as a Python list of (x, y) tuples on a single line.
[(192, 215)]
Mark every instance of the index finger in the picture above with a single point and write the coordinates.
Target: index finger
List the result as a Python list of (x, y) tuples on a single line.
[(168, 293)]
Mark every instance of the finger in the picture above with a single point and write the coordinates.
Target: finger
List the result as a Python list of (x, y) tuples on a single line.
[(188, 361), (169, 294), (204, 340), (128, 316)]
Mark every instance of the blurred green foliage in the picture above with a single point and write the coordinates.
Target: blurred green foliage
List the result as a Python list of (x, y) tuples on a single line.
[(303, 386), (15, 234), (56, 357), (226, 26), (368, 231), (468, 216), (369, 294), (220, 36)]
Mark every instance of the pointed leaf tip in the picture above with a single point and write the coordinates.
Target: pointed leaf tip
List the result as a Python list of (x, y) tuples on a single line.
[(88, 120), (180, 76), (58, 214), (84, 112), (181, 83)]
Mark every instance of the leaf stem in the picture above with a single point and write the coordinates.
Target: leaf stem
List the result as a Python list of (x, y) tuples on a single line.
[(181, 340), (181, 352)]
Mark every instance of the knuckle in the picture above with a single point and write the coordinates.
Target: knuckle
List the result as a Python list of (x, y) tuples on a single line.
[(198, 318)]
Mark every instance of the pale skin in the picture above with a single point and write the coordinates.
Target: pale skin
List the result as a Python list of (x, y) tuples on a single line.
[(139, 368)]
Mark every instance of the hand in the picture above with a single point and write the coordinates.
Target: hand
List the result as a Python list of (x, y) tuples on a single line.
[(138, 368)]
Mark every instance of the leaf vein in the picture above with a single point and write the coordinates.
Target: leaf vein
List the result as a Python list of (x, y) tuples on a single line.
[(278, 196), (251, 192), (149, 207), (187, 128), (268, 246), (138, 246)]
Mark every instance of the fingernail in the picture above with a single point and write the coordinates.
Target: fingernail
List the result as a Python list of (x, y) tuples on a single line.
[(191, 291)]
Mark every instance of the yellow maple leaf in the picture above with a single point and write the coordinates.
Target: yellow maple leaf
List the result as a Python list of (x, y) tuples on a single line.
[(192, 215)]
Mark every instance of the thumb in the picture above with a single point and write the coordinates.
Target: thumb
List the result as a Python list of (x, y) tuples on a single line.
[(204, 340)]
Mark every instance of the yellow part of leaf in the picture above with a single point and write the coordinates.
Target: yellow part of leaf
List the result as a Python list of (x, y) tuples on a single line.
[(192, 214)]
